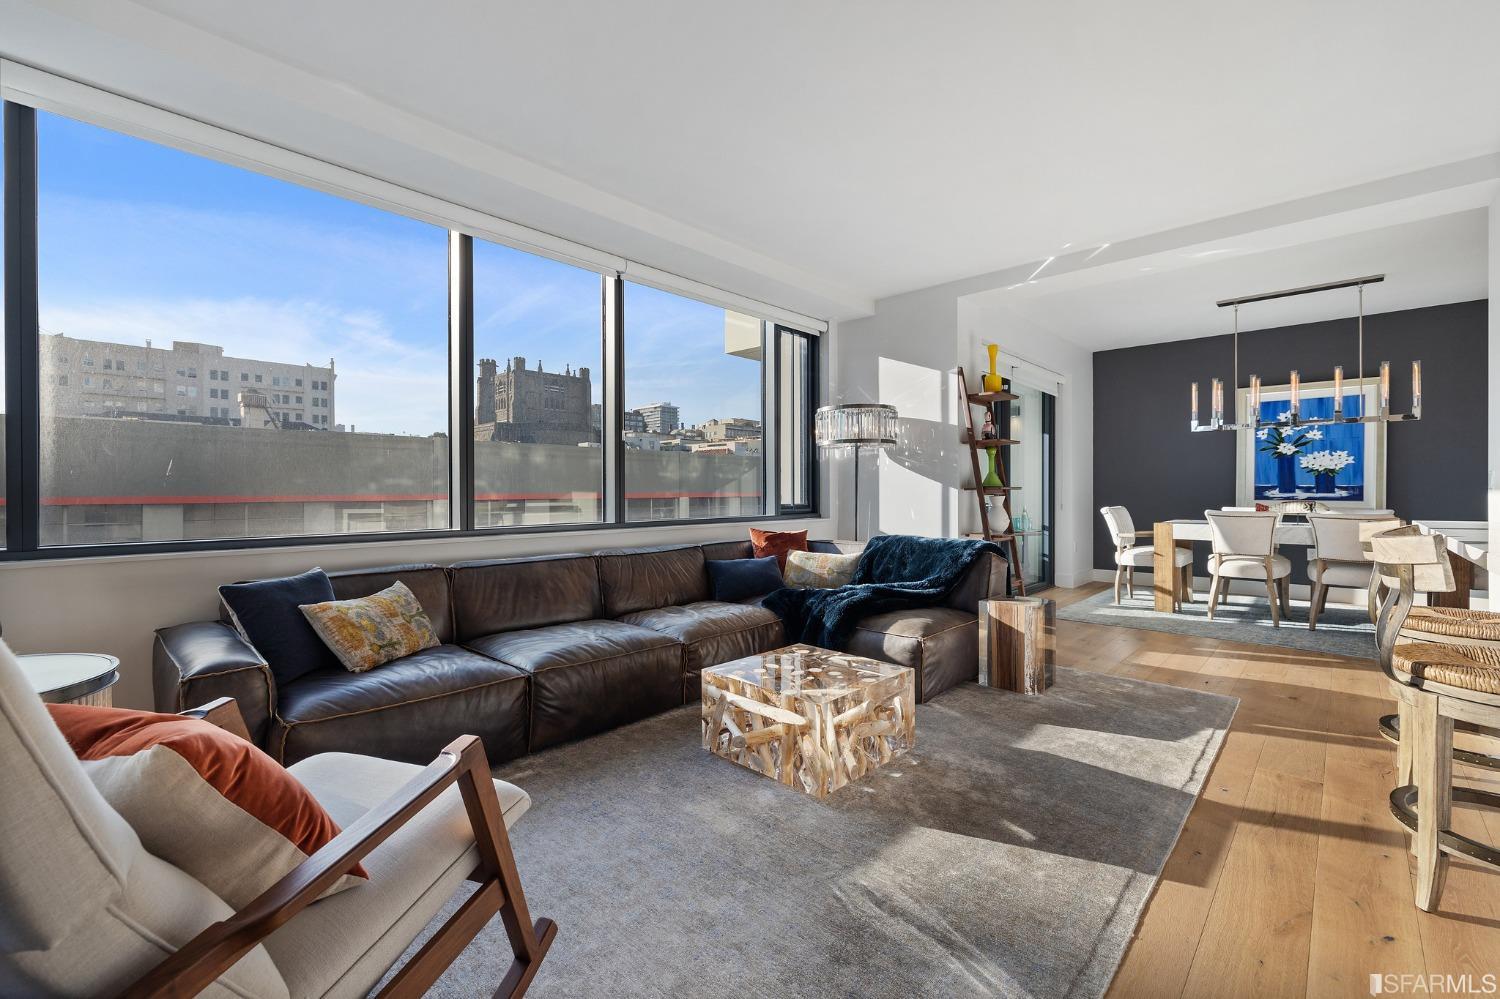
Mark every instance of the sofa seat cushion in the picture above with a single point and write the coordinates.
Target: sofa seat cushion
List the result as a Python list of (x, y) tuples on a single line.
[(342, 948), (588, 676), (940, 643), (713, 632), (407, 709)]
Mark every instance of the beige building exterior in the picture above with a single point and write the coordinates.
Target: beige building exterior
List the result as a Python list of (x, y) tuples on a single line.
[(191, 380)]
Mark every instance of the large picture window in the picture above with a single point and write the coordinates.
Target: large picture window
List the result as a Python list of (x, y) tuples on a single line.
[(693, 422), (538, 390), (200, 354), (227, 355)]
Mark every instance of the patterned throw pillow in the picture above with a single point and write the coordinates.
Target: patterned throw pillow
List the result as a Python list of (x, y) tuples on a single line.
[(200, 798), (367, 631), (819, 570)]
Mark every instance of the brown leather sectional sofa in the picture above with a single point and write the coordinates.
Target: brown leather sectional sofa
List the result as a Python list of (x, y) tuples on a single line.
[(538, 651)]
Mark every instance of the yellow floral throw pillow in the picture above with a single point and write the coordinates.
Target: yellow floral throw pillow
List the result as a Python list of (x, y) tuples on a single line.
[(368, 631), (819, 570)]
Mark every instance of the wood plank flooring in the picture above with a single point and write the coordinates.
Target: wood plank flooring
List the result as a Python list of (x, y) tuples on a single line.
[(1291, 878)]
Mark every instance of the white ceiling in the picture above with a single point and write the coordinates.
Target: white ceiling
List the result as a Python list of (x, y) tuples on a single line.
[(825, 154), (1429, 262)]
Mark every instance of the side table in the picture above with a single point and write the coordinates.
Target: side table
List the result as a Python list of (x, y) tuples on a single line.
[(1017, 643), (72, 677)]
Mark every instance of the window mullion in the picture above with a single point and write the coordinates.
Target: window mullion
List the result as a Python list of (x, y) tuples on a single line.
[(612, 438), (461, 381), (770, 419), (23, 409)]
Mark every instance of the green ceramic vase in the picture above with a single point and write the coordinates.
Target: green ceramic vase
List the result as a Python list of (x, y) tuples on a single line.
[(992, 478)]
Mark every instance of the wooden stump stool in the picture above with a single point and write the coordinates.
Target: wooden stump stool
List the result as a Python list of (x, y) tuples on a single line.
[(1017, 644)]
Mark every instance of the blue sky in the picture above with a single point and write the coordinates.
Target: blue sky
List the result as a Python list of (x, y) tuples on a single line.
[(139, 241)]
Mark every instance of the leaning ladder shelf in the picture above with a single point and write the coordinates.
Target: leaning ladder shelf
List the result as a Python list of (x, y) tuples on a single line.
[(980, 491)]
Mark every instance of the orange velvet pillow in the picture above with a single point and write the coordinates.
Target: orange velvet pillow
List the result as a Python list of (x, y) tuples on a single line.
[(777, 543), (201, 798)]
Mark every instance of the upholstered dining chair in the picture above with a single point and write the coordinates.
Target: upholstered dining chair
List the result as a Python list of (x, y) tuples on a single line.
[(1338, 555), (1130, 556), (1444, 668), (85, 909), (1244, 547)]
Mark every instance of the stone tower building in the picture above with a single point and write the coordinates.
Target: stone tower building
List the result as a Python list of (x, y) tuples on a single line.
[(532, 406)]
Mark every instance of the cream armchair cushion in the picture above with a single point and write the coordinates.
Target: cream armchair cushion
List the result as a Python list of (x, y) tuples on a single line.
[(341, 946), (84, 909), (1143, 556)]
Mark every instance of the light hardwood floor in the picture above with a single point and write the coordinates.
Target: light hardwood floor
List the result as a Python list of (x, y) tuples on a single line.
[(1291, 878)]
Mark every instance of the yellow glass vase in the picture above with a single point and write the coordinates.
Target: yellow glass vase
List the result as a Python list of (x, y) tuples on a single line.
[(992, 381)]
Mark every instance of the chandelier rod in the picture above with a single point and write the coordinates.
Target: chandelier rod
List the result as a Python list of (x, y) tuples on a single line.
[(1361, 350), (1310, 289), (1236, 359)]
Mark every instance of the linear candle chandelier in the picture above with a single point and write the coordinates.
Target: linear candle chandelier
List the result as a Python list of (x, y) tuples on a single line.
[(1383, 412)]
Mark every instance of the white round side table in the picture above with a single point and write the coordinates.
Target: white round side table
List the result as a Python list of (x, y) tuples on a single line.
[(72, 677)]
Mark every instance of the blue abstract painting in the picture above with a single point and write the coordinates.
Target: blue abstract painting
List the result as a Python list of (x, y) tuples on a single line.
[(1324, 463)]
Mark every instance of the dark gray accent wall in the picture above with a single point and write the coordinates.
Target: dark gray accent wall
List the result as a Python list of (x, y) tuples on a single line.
[(1147, 460)]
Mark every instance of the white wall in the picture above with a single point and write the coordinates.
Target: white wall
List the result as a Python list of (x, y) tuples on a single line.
[(114, 604), (1493, 424), (906, 355)]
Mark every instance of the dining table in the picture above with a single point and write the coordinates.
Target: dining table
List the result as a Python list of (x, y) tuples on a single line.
[(1467, 559), (1167, 584)]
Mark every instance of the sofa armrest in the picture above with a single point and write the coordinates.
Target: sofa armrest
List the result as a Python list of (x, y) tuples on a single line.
[(192, 664), (984, 580)]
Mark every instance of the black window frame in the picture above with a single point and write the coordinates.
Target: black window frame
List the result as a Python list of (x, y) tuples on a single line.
[(23, 398), (812, 392)]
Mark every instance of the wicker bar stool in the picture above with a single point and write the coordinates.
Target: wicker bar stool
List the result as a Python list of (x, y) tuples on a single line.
[(1478, 634), (1442, 674)]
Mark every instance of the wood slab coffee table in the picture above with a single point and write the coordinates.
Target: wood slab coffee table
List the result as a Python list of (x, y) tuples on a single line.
[(809, 718)]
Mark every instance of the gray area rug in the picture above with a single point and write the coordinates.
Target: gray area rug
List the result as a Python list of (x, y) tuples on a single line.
[(1341, 631), (1010, 853)]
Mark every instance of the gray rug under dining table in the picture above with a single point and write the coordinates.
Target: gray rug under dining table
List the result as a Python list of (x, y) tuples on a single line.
[(1009, 854), (1342, 630)]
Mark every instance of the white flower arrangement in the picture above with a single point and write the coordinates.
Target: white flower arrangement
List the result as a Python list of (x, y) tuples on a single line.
[(1288, 448), (1326, 462)]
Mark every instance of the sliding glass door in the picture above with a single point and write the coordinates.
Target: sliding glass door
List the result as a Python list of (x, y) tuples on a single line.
[(1030, 469)]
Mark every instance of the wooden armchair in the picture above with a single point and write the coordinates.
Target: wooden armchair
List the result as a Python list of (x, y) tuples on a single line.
[(86, 909), (462, 762)]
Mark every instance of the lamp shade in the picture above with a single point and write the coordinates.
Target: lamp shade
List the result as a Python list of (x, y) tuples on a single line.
[(856, 425)]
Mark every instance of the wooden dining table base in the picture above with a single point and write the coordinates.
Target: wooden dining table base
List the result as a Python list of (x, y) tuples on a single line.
[(1168, 584)]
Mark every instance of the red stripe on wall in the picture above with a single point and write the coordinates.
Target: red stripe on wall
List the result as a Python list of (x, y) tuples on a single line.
[(356, 498)]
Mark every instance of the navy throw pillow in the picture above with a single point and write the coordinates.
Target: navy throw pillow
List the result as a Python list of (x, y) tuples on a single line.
[(267, 616), (734, 579)]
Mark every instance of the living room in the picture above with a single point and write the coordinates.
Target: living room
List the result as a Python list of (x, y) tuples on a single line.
[(889, 501)]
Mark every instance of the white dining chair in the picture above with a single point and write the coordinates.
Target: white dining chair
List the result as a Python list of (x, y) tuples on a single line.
[(1338, 557), (1130, 556), (1244, 547)]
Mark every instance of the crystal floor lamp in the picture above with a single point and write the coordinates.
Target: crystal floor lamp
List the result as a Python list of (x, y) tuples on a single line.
[(856, 426)]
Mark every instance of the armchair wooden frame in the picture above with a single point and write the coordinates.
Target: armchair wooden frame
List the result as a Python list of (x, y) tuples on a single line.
[(462, 762)]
